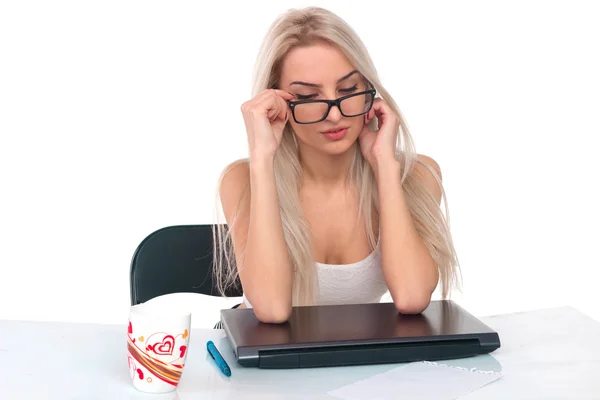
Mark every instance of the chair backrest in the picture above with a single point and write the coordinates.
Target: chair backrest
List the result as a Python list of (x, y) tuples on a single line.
[(175, 259)]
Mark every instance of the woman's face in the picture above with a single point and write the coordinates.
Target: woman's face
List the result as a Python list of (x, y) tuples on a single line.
[(322, 72)]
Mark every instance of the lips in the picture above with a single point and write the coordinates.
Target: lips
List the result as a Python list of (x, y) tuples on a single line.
[(336, 129), (335, 133)]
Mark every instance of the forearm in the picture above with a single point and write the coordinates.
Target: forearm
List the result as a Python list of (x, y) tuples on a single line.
[(410, 272), (267, 268)]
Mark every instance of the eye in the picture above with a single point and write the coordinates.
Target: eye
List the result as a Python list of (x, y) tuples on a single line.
[(304, 96), (349, 90)]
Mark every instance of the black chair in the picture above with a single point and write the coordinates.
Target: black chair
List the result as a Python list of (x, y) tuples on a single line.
[(175, 259)]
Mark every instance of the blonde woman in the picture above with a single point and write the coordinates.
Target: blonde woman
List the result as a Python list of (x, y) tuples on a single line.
[(333, 205)]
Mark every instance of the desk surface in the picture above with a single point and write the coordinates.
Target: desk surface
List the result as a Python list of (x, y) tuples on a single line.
[(545, 354)]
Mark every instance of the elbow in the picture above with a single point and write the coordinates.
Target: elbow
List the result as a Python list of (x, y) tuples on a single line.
[(275, 313), (412, 304)]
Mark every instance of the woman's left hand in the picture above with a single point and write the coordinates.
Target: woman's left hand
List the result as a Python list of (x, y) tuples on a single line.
[(380, 145)]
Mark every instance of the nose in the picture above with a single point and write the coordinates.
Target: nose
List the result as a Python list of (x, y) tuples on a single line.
[(334, 114)]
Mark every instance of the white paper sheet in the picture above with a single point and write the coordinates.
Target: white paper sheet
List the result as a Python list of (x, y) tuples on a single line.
[(418, 380)]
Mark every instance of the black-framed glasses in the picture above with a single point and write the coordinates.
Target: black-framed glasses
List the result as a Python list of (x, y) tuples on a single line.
[(313, 111)]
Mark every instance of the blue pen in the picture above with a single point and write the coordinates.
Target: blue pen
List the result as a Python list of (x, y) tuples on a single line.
[(214, 353)]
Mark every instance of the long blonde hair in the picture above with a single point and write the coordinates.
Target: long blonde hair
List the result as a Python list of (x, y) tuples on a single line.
[(300, 28)]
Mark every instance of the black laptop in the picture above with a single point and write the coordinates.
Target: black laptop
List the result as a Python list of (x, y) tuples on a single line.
[(356, 334)]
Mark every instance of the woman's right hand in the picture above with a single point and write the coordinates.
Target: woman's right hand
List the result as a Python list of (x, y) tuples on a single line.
[(265, 117)]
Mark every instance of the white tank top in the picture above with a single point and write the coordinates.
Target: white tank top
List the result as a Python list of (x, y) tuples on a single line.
[(357, 283)]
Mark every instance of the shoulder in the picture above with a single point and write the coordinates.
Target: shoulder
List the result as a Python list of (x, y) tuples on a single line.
[(234, 183), (428, 171), (235, 173)]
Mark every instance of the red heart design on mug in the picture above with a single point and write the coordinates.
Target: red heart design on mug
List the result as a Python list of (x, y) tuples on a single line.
[(166, 346)]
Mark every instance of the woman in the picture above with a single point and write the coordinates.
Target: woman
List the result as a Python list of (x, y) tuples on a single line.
[(333, 205)]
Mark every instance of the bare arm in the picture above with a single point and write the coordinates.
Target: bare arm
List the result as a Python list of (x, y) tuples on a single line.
[(262, 256), (410, 272), (259, 245)]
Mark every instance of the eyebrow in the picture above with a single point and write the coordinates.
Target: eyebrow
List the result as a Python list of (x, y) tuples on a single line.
[(343, 78)]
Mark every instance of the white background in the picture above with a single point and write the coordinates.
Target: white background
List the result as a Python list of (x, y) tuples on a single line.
[(117, 117)]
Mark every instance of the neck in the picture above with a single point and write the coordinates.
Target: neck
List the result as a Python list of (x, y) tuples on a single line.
[(325, 169)]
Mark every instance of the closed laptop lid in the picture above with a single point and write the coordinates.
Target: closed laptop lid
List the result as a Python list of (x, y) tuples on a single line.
[(343, 325)]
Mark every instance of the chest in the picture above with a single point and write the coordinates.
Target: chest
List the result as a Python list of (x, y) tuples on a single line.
[(339, 234)]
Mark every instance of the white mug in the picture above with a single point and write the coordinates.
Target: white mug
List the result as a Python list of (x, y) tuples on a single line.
[(157, 346)]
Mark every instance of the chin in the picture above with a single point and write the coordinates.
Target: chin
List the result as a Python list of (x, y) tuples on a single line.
[(338, 147)]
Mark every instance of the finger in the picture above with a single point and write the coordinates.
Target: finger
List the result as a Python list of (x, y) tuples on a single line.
[(271, 103), (279, 112), (382, 111), (278, 97), (377, 104), (273, 113), (272, 106), (369, 115), (264, 97), (281, 97), (283, 94), (273, 93), (285, 111)]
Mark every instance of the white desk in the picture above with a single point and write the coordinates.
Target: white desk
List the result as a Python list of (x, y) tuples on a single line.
[(546, 354)]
